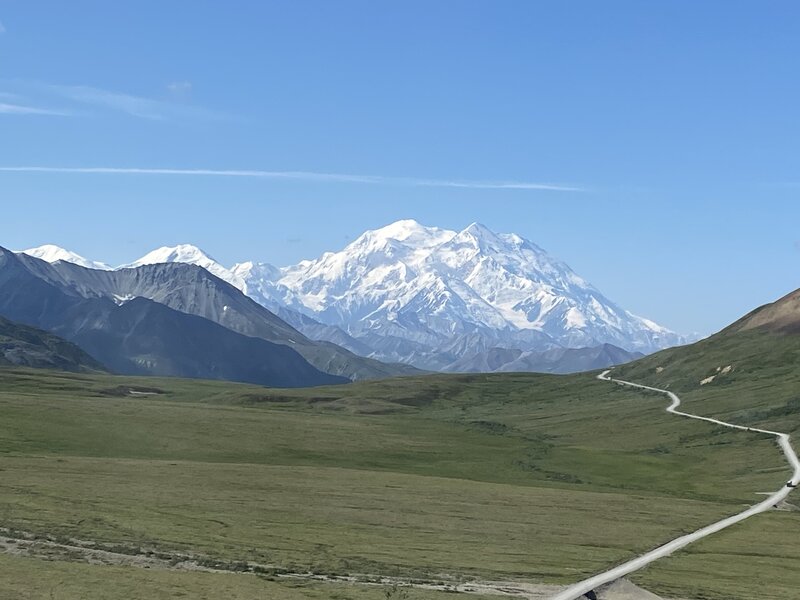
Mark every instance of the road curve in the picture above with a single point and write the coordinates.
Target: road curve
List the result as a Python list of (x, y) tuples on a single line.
[(576, 591)]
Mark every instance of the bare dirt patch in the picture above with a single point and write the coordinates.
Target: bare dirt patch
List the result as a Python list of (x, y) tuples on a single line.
[(622, 589)]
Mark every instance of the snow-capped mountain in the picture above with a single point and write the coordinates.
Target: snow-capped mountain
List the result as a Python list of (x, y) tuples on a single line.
[(185, 253), (408, 289), (51, 254), (435, 298)]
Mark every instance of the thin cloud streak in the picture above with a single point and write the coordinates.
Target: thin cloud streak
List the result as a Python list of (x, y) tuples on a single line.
[(304, 176), (135, 106), (93, 100), (496, 185), (21, 109)]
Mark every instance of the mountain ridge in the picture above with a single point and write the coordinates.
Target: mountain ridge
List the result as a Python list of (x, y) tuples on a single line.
[(194, 290), (428, 296), (132, 334)]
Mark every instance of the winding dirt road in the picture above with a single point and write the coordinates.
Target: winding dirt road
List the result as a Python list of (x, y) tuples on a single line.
[(580, 589)]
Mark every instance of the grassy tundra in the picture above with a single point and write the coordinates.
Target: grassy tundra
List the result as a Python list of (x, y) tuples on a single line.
[(497, 477)]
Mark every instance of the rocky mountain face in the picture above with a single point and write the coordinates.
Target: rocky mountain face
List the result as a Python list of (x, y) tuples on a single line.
[(131, 334), (148, 338), (196, 291), (441, 300)]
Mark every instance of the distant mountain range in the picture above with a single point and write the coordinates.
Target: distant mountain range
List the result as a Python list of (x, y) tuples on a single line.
[(170, 319), (436, 299)]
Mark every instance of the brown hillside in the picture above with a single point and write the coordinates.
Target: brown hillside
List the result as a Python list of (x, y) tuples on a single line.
[(782, 316)]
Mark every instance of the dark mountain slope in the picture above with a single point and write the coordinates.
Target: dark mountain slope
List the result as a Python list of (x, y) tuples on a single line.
[(193, 290), (147, 337), (141, 336), (25, 346)]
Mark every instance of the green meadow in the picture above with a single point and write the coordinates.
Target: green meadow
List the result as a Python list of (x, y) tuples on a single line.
[(533, 478)]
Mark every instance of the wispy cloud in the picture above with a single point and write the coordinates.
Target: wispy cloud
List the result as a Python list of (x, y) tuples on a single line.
[(21, 109), (306, 176), (92, 100), (136, 106), (2, 28), (493, 185)]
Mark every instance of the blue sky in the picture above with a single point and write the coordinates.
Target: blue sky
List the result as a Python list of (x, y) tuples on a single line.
[(653, 146)]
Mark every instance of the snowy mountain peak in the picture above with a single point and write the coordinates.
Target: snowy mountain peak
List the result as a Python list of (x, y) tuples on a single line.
[(411, 289), (182, 253), (51, 253), (401, 230), (409, 232), (188, 254)]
